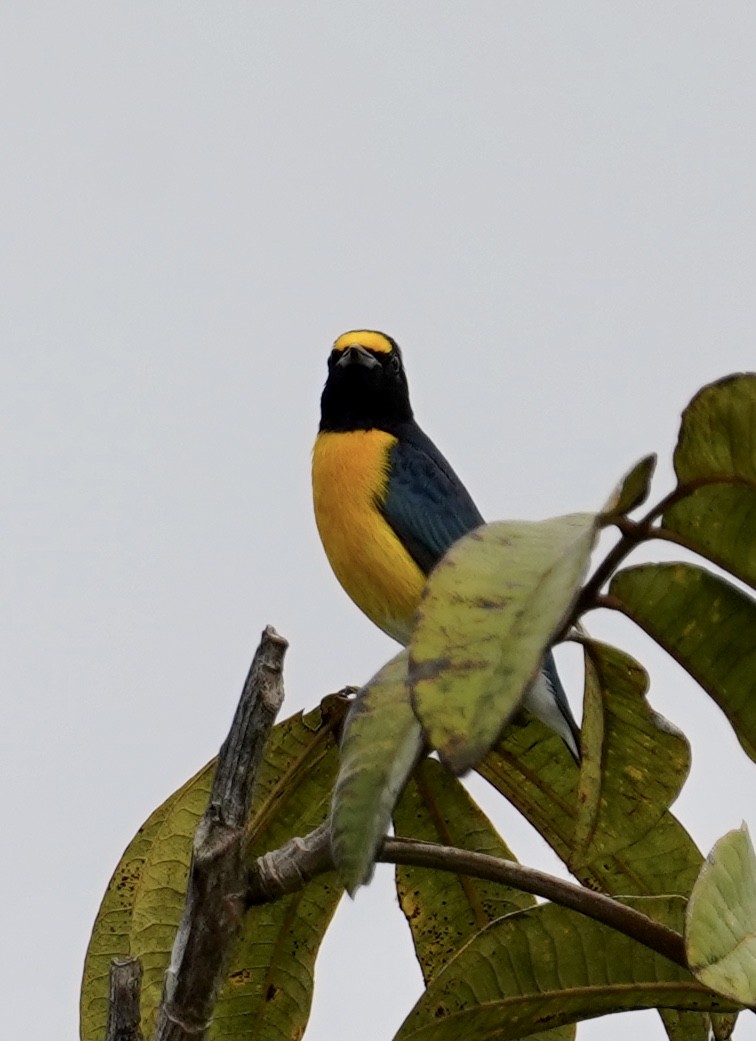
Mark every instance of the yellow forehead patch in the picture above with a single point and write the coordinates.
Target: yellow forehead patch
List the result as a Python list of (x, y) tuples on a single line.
[(369, 338)]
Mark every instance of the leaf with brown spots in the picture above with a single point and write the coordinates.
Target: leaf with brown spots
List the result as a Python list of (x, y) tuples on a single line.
[(445, 910), (545, 967)]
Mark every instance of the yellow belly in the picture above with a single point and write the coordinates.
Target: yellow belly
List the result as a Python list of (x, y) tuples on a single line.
[(349, 477)]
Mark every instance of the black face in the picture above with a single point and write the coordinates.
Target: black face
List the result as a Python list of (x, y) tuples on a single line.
[(365, 390)]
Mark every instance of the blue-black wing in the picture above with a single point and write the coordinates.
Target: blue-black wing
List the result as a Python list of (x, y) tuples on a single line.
[(426, 504)]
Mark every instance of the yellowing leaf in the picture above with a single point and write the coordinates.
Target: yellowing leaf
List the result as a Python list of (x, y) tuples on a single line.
[(534, 770), (269, 989), (443, 909)]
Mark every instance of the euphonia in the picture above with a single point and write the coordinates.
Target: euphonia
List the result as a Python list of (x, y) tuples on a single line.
[(388, 505)]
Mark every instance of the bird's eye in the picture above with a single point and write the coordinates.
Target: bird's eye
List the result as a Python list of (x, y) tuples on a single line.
[(395, 363)]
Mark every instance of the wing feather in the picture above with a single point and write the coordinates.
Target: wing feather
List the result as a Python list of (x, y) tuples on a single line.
[(426, 504)]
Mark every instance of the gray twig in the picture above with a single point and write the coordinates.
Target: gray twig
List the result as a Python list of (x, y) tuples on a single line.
[(216, 892), (123, 1000)]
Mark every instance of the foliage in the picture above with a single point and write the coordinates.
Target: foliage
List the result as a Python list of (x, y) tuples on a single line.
[(497, 965)]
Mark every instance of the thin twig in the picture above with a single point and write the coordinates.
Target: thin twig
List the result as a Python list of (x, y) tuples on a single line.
[(125, 984), (287, 870), (215, 898), (634, 533)]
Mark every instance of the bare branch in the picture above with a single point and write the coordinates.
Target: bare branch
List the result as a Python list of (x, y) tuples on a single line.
[(215, 899), (293, 865), (123, 1000)]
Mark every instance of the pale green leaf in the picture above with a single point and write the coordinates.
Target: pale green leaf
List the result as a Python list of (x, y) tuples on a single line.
[(720, 930), (382, 741), (489, 611)]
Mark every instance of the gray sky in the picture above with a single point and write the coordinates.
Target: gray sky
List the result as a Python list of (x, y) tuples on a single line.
[(549, 205)]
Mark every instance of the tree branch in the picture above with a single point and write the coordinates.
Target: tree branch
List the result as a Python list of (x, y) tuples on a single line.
[(289, 868), (217, 876), (125, 985)]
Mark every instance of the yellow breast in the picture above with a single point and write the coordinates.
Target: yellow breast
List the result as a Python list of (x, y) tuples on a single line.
[(349, 478)]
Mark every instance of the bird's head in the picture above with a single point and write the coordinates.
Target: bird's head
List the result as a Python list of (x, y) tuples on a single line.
[(366, 386)]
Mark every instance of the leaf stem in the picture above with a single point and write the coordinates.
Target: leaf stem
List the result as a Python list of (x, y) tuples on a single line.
[(633, 534), (290, 868)]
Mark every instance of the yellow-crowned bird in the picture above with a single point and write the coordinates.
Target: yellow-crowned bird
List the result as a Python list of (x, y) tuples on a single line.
[(388, 505)]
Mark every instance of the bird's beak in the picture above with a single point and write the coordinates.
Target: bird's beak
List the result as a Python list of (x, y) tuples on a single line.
[(356, 355)]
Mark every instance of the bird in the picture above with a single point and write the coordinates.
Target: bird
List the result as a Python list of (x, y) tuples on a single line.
[(388, 505)]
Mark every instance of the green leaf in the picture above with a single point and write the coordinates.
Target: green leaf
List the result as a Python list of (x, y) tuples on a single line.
[(715, 458), (532, 768), (707, 625), (269, 989), (686, 1026), (489, 611), (718, 431), (723, 1024), (382, 742), (720, 928), (444, 910), (632, 491), (718, 521), (546, 966), (634, 762)]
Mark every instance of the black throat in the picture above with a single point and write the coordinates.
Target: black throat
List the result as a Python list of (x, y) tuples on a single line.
[(359, 398)]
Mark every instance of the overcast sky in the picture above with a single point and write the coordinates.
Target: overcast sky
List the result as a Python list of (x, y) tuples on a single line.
[(549, 205)]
